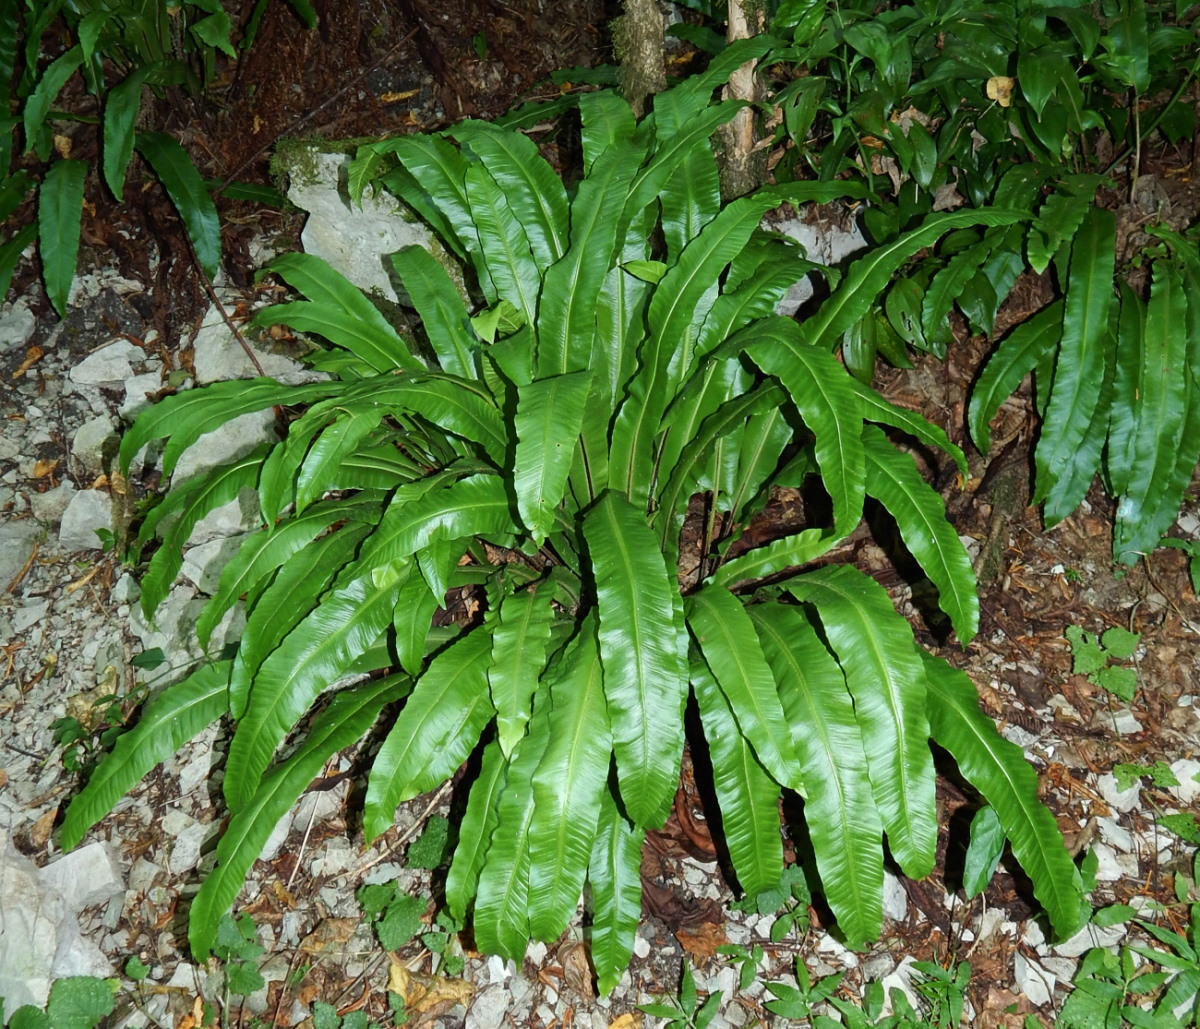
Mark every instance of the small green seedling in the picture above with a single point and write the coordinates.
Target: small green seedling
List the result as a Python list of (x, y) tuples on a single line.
[(431, 849), (396, 915), (237, 946), (746, 960), (1160, 775), (1092, 656), (788, 900), (682, 1013), (77, 1002), (798, 1002)]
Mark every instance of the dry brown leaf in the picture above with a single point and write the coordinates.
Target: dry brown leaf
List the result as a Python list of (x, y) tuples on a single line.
[(428, 994), (3, 778), (629, 1020), (63, 145), (999, 88), (703, 940), (577, 973), (195, 1018), (42, 828), (43, 468), (329, 933), (32, 356), (282, 894)]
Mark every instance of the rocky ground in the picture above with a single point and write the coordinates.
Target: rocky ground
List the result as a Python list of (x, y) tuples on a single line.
[(72, 638)]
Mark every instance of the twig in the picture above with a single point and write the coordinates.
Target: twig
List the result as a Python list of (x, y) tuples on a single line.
[(24, 569), (212, 295), (408, 833), (303, 843)]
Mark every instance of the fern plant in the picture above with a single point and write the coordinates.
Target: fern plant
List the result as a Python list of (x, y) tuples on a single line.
[(544, 455)]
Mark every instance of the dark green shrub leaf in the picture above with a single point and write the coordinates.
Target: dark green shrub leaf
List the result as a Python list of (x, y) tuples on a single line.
[(983, 851), (79, 1002), (60, 206), (37, 107), (186, 189)]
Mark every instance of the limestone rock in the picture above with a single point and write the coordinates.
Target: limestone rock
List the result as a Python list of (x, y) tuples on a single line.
[(49, 507), (94, 444), (111, 366), (88, 511)]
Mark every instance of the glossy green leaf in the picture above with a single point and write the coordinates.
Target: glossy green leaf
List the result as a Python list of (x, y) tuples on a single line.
[(120, 115), (60, 208), (984, 851), (1060, 217), (726, 638), (568, 787), (1016, 356), (505, 245), (606, 118), (434, 733), (10, 255), (869, 275), (876, 409), (746, 793), (529, 184), (1079, 370), (475, 831), (614, 874), (319, 472), (349, 715), (547, 422), (894, 480), (186, 189), (999, 771), (839, 806), (518, 659), (443, 313), (37, 107), (187, 504), (1120, 456), (177, 715), (644, 678), (311, 657), (288, 599), (875, 648)]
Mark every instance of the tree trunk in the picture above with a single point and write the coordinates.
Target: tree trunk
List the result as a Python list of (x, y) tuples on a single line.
[(638, 42), (743, 169)]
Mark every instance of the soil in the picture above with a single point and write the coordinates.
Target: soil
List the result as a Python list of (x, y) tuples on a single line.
[(376, 67)]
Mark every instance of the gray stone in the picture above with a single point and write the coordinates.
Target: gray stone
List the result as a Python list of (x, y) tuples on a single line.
[(126, 590), (232, 440), (203, 564), (142, 875), (824, 242), (1088, 937), (95, 440), (28, 616), (88, 511), (84, 876), (354, 239), (895, 900), (1034, 981), (488, 1009), (239, 516), (186, 845), (17, 325), (218, 356), (110, 366), (1119, 800), (136, 389), (49, 507), (1186, 770), (16, 546)]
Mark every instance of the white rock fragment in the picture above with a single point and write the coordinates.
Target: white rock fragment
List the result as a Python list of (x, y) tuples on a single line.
[(94, 440), (234, 439), (1033, 980), (88, 511), (17, 325), (84, 876), (136, 388), (1115, 834), (111, 366), (824, 242), (900, 979), (1188, 791), (203, 564), (1109, 867), (641, 946), (217, 355), (487, 1010), (16, 547), (1088, 937), (895, 900), (25, 618), (1118, 799), (48, 507)]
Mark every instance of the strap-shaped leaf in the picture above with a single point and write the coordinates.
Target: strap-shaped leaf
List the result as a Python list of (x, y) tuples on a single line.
[(343, 625), (266, 550), (1127, 386), (606, 117), (534, 192), (763, 440), (60, 207), (190, 502), (868, 276), (475, 831), (349, 715), (475, 506), (285, 602), (876, 409), (779, 555), (999, 771), (1162, 399), (947, 285), (338, 310), (821, 391), (747, 794), (413, 618), (676, 108), (1060, 217), (568, 786), (875, 648), (839, 806), (674, 323), (614, 873), (567, 318), (894, 480), (1016, 356), (185, 187), (644, 680), (690, 200), (10, 255), (177, 715), (436, 731), (185, 417), (120, 113), (726, 638), (443, 313), (502, 898), (548, 419), (323, 462), (518, 659), (505, 245), (38, 105), (1079, 370)]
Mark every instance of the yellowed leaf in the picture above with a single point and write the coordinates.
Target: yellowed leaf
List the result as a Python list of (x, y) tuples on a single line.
[(42, 828), (999, 88), (703, 940), (63, 145), (427, 994), (629, 1020), (44, 468)]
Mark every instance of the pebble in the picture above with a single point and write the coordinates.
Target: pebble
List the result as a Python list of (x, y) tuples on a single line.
[(49, 507), (487, 1010), (110, 366), (87, 511), (1117, 799), (1033, 981)]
